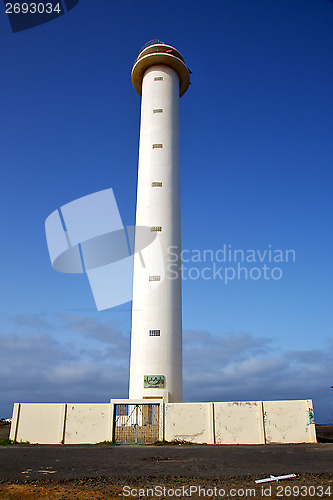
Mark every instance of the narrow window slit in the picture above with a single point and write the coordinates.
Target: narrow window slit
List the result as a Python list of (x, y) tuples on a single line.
[(154, 333), (155, 278)]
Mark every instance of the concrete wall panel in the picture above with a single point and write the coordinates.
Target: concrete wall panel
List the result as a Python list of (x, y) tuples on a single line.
[(15, 418), (239, 423), (87, 423), (289, 421), (190, 422), (41, 423)]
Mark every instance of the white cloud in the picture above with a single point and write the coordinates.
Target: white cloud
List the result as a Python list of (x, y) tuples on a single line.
[(35, 321), (245, 367), (94, 366), (38, 367)]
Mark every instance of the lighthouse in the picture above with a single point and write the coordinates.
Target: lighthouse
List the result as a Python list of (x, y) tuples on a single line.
[(161, 77)]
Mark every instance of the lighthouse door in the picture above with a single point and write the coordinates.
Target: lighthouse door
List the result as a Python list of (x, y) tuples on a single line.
[(136, 423)]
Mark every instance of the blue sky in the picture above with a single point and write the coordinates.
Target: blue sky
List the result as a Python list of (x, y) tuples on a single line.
[(256, 170)]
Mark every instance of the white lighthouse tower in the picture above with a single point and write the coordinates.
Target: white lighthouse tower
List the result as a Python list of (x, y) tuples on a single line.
[(160, 76)]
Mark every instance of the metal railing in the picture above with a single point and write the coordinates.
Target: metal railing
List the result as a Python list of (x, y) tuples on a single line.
[(151, 42)]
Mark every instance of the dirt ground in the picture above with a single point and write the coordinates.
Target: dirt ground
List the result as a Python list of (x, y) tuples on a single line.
[(4, 431), (306, 486)]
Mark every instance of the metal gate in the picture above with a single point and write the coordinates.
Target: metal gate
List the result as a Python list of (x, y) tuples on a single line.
[(136, 423)]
